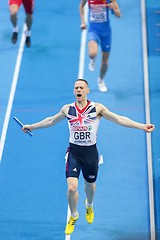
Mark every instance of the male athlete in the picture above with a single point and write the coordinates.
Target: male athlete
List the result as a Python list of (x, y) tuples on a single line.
[(99, 33), (14, 6), (83, 118)]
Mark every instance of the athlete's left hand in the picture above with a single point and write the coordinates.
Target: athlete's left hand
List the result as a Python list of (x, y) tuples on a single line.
[(112, 5), (149, 128)]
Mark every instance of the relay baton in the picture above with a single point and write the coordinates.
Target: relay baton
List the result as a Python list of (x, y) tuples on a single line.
[(21, 124)]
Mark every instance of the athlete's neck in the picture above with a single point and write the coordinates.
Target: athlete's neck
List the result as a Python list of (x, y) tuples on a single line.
[(81, 104)]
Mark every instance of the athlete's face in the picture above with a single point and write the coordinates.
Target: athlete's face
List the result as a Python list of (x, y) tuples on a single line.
[(81, 90)]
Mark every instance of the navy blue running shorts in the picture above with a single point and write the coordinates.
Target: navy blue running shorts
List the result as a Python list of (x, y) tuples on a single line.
[(83, 158)]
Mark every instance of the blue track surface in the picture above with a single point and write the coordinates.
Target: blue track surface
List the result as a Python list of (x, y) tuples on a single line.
[(32, 179)]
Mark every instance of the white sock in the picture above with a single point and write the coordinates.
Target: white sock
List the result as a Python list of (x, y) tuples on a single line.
[(89, 205), (74, 214), (92, 60), (100, 80), (15, 29), (28, 33)]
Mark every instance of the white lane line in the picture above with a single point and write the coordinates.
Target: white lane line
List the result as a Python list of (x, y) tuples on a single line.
[(147, 109), (12, 92), (68, 237), (83, 46), (80, 75)]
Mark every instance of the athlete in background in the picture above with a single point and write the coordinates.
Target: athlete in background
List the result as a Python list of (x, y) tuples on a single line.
[(99, 33), (82, 155), (14, 6)]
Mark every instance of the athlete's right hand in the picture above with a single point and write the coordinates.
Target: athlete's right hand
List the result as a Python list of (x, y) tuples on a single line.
[(83, 26), (27, 127)]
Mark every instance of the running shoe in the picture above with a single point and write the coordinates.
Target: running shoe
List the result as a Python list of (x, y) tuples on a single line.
[(28, 41), (91, 65), (102, 86), (89, 214), (71, 224), (14, 37)]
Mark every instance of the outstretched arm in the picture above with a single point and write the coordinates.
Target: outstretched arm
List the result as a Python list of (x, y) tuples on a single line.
[(121, 120), (81, 11), (47, 122)]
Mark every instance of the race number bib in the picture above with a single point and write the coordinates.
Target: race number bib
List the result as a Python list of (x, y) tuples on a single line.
[(98, 13)]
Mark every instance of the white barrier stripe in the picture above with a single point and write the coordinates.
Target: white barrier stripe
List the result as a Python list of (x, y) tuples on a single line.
[(147, 109), (83, 47), (12, 93)]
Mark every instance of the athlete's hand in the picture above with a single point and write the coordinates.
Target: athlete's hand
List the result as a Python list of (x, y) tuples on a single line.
[(149, 128), (83, 26), (112, 5), (27, 127)]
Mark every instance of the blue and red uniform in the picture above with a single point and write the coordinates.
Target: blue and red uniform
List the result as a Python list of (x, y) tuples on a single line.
[(99, 23)]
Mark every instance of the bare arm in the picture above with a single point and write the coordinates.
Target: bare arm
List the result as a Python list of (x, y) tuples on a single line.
[(47, 122), (114, 6), (81, 11), (121, 120)]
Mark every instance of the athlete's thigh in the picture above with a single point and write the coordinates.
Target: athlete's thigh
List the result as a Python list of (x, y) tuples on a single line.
[(90, 172), (93, 36), (15, 2), (90, 165), (28, 6), (106, 42), (93, 42), (14, 5), (73, 166)]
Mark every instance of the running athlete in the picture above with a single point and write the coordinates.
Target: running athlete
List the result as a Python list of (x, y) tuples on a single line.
[(14, 6), (82, 155), (99, 33)]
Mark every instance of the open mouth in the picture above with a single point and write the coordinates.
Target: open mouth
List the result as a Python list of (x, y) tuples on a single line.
[(79, 95)]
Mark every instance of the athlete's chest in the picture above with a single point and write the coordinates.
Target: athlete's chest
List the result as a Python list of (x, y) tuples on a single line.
[(98, 11), (78, 117)]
